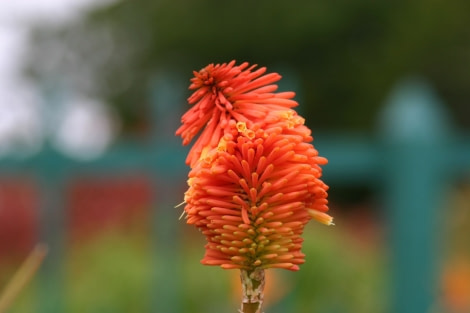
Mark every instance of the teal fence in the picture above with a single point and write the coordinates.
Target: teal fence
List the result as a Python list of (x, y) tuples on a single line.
[(413, 157)]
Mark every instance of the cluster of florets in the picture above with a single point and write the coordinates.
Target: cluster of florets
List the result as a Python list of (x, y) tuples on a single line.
[(255, 176)]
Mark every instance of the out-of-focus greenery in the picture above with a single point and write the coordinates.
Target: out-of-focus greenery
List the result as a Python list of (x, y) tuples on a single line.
[(346, 55), (26, 300), (340, 274), (114, 272), (110, 273)]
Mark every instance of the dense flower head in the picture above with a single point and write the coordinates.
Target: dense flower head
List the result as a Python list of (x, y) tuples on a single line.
[(255, 180)]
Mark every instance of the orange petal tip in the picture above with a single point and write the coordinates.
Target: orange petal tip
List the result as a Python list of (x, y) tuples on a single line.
[(321, 217)]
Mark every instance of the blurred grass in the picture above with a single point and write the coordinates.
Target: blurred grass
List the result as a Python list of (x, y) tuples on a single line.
[(341, 274), (26, 300), (114, 271)]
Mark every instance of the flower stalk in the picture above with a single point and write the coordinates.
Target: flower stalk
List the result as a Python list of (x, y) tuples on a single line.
[(252, 290)]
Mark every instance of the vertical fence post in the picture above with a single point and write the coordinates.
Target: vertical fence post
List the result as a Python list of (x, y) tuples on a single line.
[(168, 168), (52, 217), (415, 135)]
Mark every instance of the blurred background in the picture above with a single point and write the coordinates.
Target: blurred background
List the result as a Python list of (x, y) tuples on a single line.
[(91, 93)]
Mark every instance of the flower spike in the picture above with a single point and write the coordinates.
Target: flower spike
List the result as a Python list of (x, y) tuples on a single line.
[(255, 178)]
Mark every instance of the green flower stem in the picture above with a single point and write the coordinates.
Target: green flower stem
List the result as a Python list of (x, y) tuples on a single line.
[(252, 287)]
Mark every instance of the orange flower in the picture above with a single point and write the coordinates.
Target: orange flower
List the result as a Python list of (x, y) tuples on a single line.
[(255, 177), (227, 92), (252, 195)]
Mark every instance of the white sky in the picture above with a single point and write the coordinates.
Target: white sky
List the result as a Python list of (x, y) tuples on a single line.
[(85, 128), (26, 10)]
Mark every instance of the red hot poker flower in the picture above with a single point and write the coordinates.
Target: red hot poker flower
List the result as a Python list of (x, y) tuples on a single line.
[(255, 178), (252, 195), (227, 92)]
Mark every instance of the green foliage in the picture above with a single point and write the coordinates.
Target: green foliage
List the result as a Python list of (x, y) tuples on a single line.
[(346, 54), (26, 300), (340, 274), (115, 272), (203, 288), (112, 273)]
